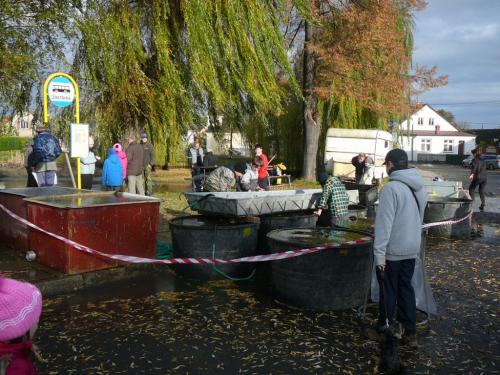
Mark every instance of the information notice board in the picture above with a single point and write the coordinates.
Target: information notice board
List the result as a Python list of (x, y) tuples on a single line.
[(79, 140)]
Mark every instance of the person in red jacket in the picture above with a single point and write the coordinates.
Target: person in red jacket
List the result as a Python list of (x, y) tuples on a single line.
[(20, 309), (263, 180)]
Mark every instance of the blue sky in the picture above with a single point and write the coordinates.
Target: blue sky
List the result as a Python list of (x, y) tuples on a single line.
[(462, 37)]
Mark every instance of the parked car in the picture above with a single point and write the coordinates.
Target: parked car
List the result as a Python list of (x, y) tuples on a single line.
[(492, 161), (466, 162)]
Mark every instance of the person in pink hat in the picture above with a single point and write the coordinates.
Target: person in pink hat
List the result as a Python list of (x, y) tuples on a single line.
[(123, 158), (20, 309)]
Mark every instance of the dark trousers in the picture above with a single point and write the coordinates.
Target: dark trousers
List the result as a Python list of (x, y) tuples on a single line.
[(398, 291), (263, 183), (31, 179), (472, 187), (197, 176), (87, 180)]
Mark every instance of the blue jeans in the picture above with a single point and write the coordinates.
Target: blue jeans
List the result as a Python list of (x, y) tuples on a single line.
[(398, 291)]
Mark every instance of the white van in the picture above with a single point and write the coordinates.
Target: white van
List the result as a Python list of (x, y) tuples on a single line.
[(343, 144)]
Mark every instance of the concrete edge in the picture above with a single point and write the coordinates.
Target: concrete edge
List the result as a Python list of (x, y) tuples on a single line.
[(71, 283)]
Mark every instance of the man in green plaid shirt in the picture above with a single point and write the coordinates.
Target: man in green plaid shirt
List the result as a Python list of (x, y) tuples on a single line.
[(334, 197)]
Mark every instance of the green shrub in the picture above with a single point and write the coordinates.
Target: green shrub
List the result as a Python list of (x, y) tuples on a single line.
[(12, 143)]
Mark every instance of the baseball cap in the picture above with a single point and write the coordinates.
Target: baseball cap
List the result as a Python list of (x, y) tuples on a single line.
[(397, 157)]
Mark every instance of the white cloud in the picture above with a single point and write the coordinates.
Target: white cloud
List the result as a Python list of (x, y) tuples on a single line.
[(462, 37), (470, 32)]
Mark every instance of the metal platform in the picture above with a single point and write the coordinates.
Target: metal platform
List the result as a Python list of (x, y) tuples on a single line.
[(257, 203)]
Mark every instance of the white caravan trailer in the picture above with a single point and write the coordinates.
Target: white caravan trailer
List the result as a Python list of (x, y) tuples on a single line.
[(343, 144)]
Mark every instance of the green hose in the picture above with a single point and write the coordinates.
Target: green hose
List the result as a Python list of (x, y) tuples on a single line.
[(214, 267)]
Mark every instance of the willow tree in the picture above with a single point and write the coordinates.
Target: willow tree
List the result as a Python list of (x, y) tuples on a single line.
[(354, 60), (162, 65), (31, 35)]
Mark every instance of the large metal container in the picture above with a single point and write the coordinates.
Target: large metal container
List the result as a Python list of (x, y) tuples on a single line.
[(357, 211), (448, 189), (334, 279), (444, 209), (213, 237), (368, 194), (253, 203), (108, 222), (13, 233)]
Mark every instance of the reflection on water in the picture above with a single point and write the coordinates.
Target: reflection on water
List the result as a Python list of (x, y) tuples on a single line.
[(357, 224), (87, 200), (15, 182), (312, 237)]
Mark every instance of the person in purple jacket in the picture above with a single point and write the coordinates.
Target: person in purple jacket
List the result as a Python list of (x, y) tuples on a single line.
[(112, 172)]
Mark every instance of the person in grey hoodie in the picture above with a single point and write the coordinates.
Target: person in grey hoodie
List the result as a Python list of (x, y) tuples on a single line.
[(398, 233)]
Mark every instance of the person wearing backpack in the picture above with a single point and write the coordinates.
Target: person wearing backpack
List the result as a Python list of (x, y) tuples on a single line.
[(46, 149)]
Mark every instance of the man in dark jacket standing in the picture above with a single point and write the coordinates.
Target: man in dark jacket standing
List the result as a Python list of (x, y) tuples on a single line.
[(46, 149), (478, 176), (149, 161), (135, 166), (398, 235)]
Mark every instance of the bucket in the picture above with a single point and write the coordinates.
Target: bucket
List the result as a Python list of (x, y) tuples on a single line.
[(207, 237), (334, 279), (443, 209)]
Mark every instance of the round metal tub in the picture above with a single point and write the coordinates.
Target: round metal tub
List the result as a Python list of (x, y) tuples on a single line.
[(334, 279), (207, 237), (443, 209), (282, 221), (279, 221)]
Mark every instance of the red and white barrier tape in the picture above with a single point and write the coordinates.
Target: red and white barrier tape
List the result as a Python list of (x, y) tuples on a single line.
[(447, 222), (134, 259)]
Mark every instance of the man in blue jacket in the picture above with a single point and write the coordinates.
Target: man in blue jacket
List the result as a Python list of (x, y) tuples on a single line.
[(46, 149), (398, 233)]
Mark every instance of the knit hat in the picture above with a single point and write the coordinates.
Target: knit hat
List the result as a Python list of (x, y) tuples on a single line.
[(240, 168), (20, 308), (323, 176), (144, 136), (118, 147)]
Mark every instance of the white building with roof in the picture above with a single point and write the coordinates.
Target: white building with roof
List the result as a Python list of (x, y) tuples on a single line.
[(427, 136)]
